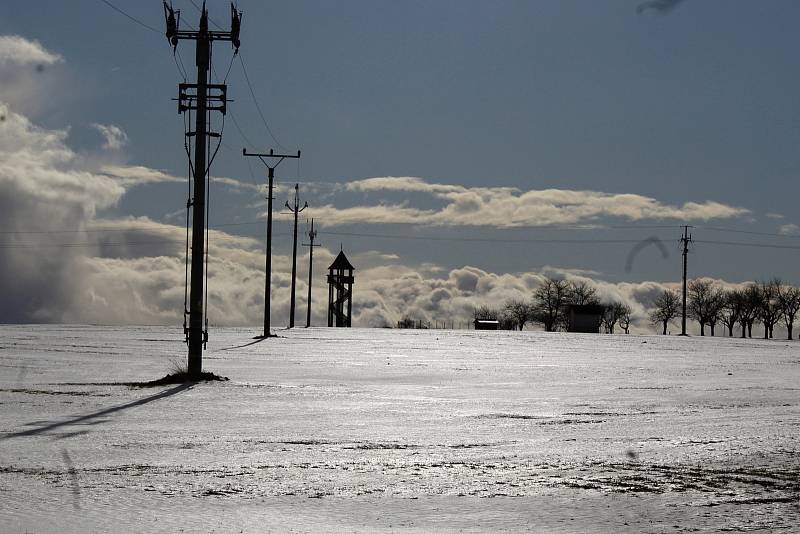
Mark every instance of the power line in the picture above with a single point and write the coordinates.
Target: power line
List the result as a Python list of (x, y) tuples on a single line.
[(134, 19), (748, 232), (744, 244), (377, 235), (88, 244), (255, 101), (480, 239), (366, 235)]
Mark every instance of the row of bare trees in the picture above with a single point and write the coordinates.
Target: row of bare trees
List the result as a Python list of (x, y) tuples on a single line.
[(549, 307), (766, 303)]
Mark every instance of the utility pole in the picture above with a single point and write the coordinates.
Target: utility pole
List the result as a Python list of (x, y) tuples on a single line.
[(685, 240), (270, 177), (312, 235), (296, 210), (201, 97)]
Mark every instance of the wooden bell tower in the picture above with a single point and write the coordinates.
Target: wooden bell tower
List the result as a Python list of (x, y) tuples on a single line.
[(340, 292)]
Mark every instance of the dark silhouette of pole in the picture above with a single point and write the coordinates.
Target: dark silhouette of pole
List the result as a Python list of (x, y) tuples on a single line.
[(268, 269), (196, 97), (685, 240), (296, 209), (312, 235)]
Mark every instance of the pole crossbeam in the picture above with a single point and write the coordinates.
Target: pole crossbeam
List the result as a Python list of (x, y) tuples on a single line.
[(190, 35), (264, 157)]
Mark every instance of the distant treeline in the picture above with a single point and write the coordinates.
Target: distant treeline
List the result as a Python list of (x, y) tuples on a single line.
[(707, 302)]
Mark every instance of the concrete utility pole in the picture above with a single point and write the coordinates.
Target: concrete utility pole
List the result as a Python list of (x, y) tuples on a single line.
[(685, 240), (296, 209), (312, 235), (201, 97), (270, 177)]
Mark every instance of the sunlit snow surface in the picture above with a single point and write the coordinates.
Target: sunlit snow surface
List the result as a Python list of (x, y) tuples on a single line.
[(363, 430)]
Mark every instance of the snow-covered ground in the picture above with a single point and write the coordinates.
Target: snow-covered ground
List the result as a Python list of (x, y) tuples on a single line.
[(363, 430)]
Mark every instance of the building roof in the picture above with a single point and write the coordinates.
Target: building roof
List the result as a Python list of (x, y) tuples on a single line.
[(341, 262)]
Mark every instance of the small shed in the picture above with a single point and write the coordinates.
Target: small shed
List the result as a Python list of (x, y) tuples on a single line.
[(486, 324), (585, 318)]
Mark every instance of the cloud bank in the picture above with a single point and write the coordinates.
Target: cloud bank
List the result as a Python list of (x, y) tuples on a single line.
[(63, 260)]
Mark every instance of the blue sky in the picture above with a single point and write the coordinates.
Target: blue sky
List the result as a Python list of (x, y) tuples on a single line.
[(687, 116)]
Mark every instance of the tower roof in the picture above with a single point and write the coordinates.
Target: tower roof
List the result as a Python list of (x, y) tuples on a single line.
[(341, 262)]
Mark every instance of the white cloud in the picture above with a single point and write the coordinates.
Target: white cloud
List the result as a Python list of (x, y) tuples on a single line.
[(25, 80), (21, 51), (508, 207), (115, 137), (789, 229)]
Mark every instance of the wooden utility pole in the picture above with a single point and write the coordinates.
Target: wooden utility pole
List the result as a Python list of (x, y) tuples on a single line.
[(296, 209), (685, 240), (270, 178), (201, 97), (312, 235)]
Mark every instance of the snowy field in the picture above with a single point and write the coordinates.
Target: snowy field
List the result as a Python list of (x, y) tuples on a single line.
[(386, 430)]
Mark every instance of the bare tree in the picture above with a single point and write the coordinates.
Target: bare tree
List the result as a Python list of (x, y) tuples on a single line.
[(519, 311), (625, 318), (485, 313), (614, 312), (506, 321), (769, 310), (666, 307), (789, 299), (406, 322), (732, 302), (751, 303), (581, 293), (703, 297), (549, 301), (716, 308)]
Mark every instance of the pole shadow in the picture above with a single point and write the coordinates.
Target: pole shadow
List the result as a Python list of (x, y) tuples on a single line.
[(87, 419)]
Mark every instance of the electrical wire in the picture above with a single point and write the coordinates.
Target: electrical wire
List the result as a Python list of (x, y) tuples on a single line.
[(134, 19), (189, 203), (479, 239), (241, 133), (258, 106), (748, 232), (179, 63), (405, 237), (208, 216), (88, 244), (744, 244), (536, 228)]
